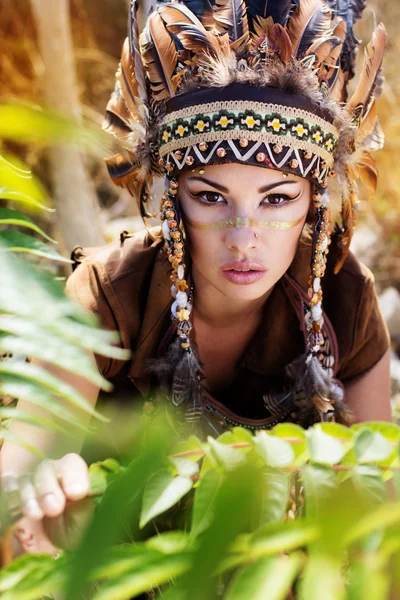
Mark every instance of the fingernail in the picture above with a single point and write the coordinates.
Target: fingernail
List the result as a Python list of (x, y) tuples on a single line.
[(76, 489), (50, 502), (33, 509)]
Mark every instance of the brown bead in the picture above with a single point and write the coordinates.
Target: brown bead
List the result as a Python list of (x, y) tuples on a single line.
[(174, 184), (307, 154), (170, 214), (318, 247), (178, 154), (203, 146), (260, 157), (189, 160), (181, 286), (221, 152), (322, 236), (178, 246), (324, 164), (317, 196), (318, 256), (161, 162), (179, 254), (332, 173), (173, 192), (244, 142), (172, 224), (293, 164), (176, 235), (315, 174), (317, 203), (168, 204), (169, 166), (278, 148)]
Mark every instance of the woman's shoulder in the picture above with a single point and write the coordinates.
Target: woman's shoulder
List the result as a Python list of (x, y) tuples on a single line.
[(113, 282)]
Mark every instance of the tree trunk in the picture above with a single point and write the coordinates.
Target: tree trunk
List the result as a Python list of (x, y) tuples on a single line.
[(78, 213)]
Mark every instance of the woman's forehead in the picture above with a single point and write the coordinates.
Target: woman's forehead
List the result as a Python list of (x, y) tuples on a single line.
[(228, 174)]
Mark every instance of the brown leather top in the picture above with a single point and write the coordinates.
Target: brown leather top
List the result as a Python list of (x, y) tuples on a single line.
[(128, 287)]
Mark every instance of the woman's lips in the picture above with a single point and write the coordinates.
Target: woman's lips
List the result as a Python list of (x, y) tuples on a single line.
[(243, 272)]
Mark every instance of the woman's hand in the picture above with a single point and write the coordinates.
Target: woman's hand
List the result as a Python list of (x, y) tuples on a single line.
[(55, 504)]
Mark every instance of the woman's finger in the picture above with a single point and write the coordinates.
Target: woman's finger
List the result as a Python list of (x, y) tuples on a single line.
[(73, 475), (48, 491), (30, 504)]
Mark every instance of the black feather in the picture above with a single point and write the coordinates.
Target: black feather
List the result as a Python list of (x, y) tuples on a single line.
[(316, 28), (279, 10)]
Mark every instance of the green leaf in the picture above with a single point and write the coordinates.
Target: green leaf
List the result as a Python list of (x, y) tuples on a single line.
[(20, 568), (169, 542), (319, 482), (162, 492), (371, 446), (16, 177), (382, 517), (33, 392), (152, 573), (33, 373), (298, 440), (28, 417), (337, 430), (324, 449), (274, 451), (368, 581), (13, 217), (368, 481), (275, 538), (184, 467), (229, 458), (16, 241), (191, 444), (273, 497), (266, 578), (322, 579), (204, 501)]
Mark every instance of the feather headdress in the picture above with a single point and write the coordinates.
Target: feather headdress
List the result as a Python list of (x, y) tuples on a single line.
[(256, 81)]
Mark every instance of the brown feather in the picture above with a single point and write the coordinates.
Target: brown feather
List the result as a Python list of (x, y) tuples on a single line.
[(301, 18), (165, 48), (280, 42), (373, 56), (368, 172), (261, 27), (230, 16), (153, 67), (138, 78)]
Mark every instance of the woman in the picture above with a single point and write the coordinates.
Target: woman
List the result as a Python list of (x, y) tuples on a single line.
[(241, 108)]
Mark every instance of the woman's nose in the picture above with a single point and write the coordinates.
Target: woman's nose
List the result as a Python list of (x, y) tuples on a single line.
[(241, 239)]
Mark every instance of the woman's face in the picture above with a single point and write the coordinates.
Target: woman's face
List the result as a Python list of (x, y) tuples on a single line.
[(243, 225)]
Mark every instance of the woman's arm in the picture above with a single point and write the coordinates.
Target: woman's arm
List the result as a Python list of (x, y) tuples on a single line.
[(369, 396), (54, 483)]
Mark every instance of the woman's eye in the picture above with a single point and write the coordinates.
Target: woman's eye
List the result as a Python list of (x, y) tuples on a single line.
[(276, 199), (211, 197)]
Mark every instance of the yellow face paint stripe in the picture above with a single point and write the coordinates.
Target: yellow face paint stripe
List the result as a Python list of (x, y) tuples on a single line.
[(241, 222)]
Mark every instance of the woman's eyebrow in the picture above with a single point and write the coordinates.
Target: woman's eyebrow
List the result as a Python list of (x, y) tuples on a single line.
[(221, 188)]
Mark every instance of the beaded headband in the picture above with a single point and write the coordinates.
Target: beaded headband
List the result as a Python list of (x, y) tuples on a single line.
[(237, 126)]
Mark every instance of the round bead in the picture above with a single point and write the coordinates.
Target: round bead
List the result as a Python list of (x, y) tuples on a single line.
[(244, 142), (172, 224), (184, 328), (260, 157), (170, 214), (161, 162), (176, 235), (182, 314), (182, 286), (317, 196), (221, 152), (324, 184), (185, 345), (293, 164), (318, 256), (178, 154), (315, 174), (169, 166), (189, 160), (174, 184), (278, 148), (307, 154), (322, 236), (329, 361), (316, 311), (203, 146), (324, 164), (178, 246), (332, 173), (179, 254), (165, 230), (168, 204), (172, 192), (181, 298)]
